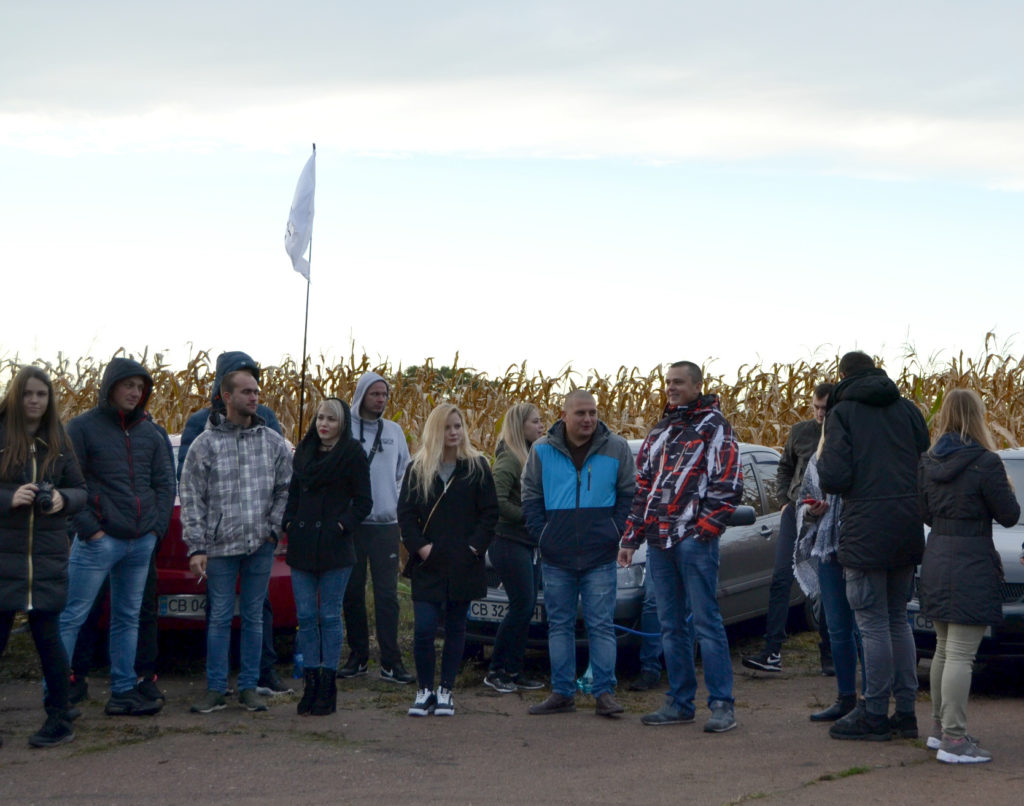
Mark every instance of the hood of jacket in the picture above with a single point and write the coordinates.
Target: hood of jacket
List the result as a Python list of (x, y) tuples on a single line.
[(117, 370), (674, 415), (365, 382), (556, 436), (218, 421), (230, 362), (871, 387), (949, 457)]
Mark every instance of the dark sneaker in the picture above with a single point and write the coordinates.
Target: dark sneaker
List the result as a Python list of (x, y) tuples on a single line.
[(78, 690), (935, 737), (903, 724), (859, 725), (962, 751), (765, 662), (148, 688), (271, 685), (841, 707), (668, 715), (132, 703), (56, 730), (396, 674), (250, 700), (646, 681), (554, 704), (500, 682), (445, 704), (723, 717), (607, 705), (424, 704), (527, 683), (214, 701), (353, 667)]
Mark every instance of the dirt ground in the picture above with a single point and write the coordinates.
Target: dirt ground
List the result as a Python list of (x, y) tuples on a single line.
[(492, 751)]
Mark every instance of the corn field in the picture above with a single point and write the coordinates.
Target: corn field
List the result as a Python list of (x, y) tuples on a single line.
[(762, 402)]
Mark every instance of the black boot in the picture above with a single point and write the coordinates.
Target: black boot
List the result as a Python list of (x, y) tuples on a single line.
[(311, 688), (841, 707), (326, 701), (828, 666)]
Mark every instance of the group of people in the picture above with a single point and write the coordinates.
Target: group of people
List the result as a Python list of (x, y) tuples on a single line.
[(566, 504)]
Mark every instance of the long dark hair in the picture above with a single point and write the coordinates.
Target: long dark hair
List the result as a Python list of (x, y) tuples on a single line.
[(17, 443)]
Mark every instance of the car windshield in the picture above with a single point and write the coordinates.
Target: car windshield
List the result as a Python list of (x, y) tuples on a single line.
[(1015, 470)]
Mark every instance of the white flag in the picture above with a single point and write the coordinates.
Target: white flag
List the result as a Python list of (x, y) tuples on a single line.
[(300, 219)]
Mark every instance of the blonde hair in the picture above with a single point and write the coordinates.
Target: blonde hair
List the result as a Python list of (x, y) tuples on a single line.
[(963, 413), (426, 463), (512, 430)]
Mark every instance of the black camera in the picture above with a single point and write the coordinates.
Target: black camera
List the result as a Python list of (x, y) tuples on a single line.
[(44, 496)]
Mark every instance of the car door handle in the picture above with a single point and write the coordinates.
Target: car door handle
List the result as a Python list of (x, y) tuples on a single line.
[(766, 532)]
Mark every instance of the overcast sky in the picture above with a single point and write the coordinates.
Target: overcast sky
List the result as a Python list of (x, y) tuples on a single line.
[(601, 183)]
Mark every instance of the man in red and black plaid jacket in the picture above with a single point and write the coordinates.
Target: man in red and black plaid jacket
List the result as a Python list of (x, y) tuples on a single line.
[(688, 484)]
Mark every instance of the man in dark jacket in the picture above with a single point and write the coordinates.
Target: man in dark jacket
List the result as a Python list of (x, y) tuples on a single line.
[(873, 442), (800, 447), (688, 484), (270, 682), (130, 481), (577, 486)]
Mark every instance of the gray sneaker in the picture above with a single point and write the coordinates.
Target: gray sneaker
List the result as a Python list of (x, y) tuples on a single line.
[(251, 701), (962, 751), (722, 717), (214, 701), (668, 715)]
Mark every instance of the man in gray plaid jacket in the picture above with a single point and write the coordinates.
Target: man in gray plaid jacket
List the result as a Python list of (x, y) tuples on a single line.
[(234, 487)]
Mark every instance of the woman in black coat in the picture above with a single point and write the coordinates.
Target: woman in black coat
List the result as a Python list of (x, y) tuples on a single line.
[(41, 484), (328, 497), (962, 486), (447, 511)]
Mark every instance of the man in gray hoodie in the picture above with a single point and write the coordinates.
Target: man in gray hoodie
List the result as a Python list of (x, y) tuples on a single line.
[(377, 538)]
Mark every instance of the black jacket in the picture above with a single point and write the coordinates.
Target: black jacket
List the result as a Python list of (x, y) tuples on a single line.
[(125, 461), (962, 487), (873, 441), (328, 497), (465, 516), (800, 447), (34, 546)]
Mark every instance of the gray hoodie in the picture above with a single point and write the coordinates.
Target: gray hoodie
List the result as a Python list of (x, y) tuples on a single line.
[(388, 460)]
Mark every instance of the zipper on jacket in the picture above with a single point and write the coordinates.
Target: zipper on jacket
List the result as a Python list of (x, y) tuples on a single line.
[(31, 527), (131, 476)]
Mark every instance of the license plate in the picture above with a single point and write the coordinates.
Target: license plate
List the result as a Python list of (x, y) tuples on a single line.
[(483, 610), (921, 623), (191, 606)]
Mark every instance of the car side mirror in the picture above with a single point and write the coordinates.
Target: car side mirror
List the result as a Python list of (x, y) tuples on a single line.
[(742, 516)]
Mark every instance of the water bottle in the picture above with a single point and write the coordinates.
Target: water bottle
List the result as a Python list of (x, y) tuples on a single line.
[(300, 667), (586, 683)]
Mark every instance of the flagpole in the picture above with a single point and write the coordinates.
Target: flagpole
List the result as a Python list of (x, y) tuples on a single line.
[(305, 333)]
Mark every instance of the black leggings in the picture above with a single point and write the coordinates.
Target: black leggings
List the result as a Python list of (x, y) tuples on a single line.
[(45, 627)]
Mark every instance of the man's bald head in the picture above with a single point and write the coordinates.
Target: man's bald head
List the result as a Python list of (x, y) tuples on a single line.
[(579, 413)]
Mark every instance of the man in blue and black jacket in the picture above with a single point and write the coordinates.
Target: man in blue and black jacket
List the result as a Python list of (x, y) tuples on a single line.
[(577, 487)]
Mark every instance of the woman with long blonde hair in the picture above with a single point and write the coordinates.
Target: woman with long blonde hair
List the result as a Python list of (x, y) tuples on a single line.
[(447, 510), (962, 487), (513, 553)]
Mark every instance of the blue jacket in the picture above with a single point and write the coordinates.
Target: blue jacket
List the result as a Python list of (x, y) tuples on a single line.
[(578, 517)]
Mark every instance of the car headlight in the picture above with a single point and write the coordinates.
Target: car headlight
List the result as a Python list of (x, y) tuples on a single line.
[(632, 577)]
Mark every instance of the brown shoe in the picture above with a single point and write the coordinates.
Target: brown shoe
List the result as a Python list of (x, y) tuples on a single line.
[(607, 705), (554, 704)]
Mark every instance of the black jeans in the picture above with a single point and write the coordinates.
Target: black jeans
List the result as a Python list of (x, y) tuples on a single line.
[(782, 583), (45, 627), (427, 617), (378, 544), (519, 575)]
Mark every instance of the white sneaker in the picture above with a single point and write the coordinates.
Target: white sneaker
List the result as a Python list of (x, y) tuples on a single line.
[(425, 703), (962, 751), (445, 703)]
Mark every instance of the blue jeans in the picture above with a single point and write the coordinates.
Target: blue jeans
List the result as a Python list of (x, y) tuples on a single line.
[(127, 563), (686, 584), (650, 648), (842, 627), (594, 592), (518, 574), (320, 630), (221, 574)]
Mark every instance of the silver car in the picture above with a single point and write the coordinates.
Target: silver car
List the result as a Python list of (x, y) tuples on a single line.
[(747, 558)]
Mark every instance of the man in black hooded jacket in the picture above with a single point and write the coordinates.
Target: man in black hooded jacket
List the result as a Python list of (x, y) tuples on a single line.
[(873, 441)]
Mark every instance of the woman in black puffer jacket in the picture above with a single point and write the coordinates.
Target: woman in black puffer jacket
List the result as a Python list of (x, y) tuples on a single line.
[(328, 497), (40, 486), (963, 486)]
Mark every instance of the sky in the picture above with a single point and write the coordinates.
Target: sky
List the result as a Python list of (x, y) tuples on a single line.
[(595, 183)]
